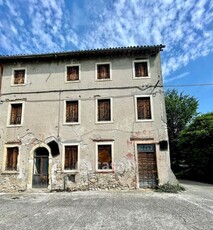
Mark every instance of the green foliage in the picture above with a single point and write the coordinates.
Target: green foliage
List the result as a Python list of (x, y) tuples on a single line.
[(180, 109), (196, 146), (170, 188)]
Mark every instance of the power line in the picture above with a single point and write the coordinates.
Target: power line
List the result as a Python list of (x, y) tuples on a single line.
[(188, 85)]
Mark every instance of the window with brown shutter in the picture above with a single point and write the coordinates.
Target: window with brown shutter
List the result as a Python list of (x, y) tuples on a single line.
[(71, 157), (72, 111), (104, 110), (16, 113), (104, 157), (19, 76), (103, 71), (143, 108), (141, 69), (72, 73), (12, 158)]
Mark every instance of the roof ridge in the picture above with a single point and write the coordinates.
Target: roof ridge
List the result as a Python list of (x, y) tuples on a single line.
[(86, 50)]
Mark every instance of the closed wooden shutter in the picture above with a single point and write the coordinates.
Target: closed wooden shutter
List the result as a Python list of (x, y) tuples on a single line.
[(72, 73), (143, 108), (103, 71), (141, 69), (16, 113), (12, 158), (19, 76), (72, 111), (71, 157), (104, 112), (104, 157)]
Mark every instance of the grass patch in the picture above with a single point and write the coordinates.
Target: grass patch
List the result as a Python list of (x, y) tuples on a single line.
[(170, 188)]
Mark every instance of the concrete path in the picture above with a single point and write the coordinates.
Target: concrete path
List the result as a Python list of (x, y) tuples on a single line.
[(145, 209)]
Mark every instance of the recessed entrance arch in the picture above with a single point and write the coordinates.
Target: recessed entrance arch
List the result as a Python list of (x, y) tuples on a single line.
[(40, 168)]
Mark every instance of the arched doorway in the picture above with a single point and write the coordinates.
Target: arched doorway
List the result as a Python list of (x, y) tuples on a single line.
[(40, 168)]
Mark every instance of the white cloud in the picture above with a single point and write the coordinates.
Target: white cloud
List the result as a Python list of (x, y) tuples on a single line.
[(176, 77), (55, 25), (12, 8)]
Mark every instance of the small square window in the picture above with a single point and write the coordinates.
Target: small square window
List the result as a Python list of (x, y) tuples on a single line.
[(71, 157), (72, 73), (140, 69), (104, 110), (103, 71), (105, 157), (19, 77), (72, 112), (16, 114), (12, 159), (143, 108)]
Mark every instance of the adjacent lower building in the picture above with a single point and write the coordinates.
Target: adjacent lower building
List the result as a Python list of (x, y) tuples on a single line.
[(83, 120)]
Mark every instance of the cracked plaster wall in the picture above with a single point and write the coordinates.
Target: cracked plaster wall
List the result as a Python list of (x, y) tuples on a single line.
[(44, 120)]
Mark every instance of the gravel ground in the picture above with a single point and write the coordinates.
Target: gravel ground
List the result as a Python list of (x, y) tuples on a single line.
[(142, 209)]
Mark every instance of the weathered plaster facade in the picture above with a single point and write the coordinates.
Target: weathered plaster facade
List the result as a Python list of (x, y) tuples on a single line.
[(43, 125)]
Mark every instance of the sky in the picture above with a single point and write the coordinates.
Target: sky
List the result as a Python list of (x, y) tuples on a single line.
[(184, 26)]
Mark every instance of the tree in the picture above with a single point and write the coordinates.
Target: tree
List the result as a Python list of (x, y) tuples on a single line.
[(196, 144), (180, 109)]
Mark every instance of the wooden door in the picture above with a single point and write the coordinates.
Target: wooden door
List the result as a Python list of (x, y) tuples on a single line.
[(147, 166)]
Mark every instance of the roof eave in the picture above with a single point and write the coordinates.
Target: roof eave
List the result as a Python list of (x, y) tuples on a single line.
[(85, 53)]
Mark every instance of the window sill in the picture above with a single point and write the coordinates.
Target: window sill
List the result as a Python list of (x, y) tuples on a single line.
[(9, 172), (70, 171), (145, 120), (15, 85), (14, 126), (71, 123), (74, 81), (101, 80), (139, 78), (104, 171), (104, 122)]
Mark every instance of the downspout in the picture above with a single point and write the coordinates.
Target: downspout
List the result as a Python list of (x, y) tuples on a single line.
[(1, 74)]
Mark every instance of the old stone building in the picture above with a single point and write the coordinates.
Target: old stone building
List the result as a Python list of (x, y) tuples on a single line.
[(92, 119)]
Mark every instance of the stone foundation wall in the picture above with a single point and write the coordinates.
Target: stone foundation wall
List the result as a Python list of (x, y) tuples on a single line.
[(95, 181), (12, 183)]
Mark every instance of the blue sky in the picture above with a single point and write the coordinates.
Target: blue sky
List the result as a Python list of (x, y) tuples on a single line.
[(184, 26)]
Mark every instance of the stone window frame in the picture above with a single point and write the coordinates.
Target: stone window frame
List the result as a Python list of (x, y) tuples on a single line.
[(63, 157), (148, 69), (4, 160), (151, 108), (13, 76), (79, 73), (112, 155), (96, 71), (111, 111), (9, 114), (79, 112)]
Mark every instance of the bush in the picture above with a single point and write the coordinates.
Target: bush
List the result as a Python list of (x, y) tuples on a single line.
[(170, 188)]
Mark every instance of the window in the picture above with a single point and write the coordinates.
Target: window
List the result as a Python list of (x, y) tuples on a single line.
[(71, 157), (19, 77), (72, 73), (16, 114), (140, 69), (12, 159), (104, 110), (103, 71), (104, 156), (72, 112), (143, 106)]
